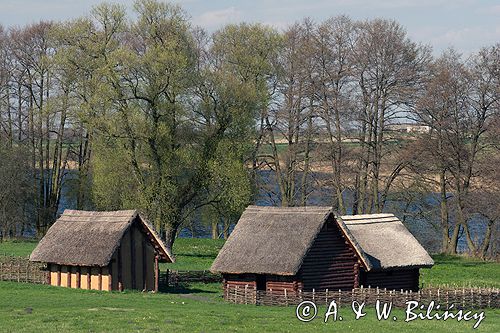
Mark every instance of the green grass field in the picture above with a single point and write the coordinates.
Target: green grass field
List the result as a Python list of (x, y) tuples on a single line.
[(200, 307), (38, 308)]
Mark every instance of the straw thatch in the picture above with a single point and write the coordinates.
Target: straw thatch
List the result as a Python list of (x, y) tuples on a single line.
[(84, 238), (270, 240), (275, 240), (386, 241)]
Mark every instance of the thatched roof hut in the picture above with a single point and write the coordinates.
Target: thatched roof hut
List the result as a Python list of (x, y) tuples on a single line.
[(310, 247), (386, 241), (120, 247)]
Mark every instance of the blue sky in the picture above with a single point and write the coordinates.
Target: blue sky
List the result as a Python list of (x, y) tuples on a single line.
[(465, 24)]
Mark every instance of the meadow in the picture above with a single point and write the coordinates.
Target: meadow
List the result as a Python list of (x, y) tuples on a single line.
[(200, 307)]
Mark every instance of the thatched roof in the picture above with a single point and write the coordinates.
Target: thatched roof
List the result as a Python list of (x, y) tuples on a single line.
[(84, 238), (386, 241), (271, 240), (275, 240)]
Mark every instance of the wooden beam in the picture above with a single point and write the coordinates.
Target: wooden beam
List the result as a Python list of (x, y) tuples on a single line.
[(132, 257), (356, 275), (59, 275), (89, 285), (49, 276), (119, 264), (144, 265), (69, 276), (110, 276), (157, 273), (78, 272), (99, 281)]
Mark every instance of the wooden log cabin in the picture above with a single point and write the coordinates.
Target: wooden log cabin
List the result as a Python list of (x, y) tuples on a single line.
[(102, 251), (306, 248)]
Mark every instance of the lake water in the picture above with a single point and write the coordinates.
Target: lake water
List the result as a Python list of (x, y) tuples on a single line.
[(422, 227)]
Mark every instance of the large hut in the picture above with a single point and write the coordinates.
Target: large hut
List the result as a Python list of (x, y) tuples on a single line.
[(274, 248), (102, 251)]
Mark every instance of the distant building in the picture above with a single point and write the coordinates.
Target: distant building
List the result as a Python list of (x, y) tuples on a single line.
[(306, 248), (409, 128), (102, 251)]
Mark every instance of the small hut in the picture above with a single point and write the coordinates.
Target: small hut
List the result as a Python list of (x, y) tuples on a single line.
[(102, 251), (306, 248)]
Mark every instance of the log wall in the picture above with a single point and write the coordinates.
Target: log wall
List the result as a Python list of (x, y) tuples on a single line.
[(330, 263)]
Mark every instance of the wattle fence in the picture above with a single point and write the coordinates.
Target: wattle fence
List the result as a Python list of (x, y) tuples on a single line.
[(20, 269), (174, 278), (459, 297)]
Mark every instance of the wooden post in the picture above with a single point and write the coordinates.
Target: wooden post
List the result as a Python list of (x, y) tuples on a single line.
[(59, 275), (110, 277), (132, 257), (157, 273), (78, 273), (99, 280), (89, 286), (144, 267), (356, 275), (69, 273), (246, 287), (119, 264), (49, 275)]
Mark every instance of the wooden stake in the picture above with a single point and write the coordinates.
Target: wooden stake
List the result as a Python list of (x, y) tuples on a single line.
[(110, 277), (119, 264), (99, 280), (68, 280), (144, 266), (132, 257), (58, 275), (157, 273), (78, 273)]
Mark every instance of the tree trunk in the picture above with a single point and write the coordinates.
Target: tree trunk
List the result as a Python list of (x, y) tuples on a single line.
[(215, 230), (169, 232)]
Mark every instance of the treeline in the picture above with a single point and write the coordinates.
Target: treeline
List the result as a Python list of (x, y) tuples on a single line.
[(152, 112)]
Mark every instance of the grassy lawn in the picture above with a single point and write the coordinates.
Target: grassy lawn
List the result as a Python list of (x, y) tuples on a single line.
[(38, 308), (461, 271), (195, 253), (21, 248), (200, 308)]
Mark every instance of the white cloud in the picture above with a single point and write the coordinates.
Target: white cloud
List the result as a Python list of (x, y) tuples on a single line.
[(216, 18), (466, 40)]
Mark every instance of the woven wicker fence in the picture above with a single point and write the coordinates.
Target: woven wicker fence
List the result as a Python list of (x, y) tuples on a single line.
[(459, 297), (20, 269), (176, 278)]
